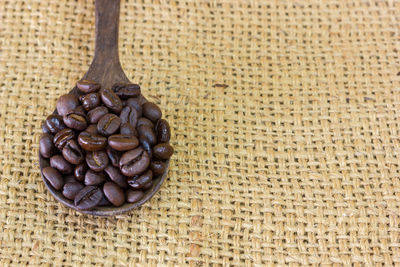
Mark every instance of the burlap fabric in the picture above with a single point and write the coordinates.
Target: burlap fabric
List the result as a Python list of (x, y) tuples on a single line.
[(285, 119)]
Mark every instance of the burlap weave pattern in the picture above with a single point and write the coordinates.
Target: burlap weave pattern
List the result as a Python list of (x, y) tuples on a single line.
[(286, 127)]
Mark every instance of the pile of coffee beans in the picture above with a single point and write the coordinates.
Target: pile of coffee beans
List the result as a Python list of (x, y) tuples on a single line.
[(105, 146)]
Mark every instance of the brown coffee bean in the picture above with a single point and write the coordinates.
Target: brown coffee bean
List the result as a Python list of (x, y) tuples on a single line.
[(55, 123), (90, 101), (147, 133), (163, 151), (62, 137), (46, 147), (95, 114), (133, 196), (69, 179), (136, 104), (72, 152), (108, 124), (45, 129), (134, 162), (88, 198), (114, 156), (70, 190), (163, 131), (148, 185), (157, 167), (97, 160), (88, 86), (67, 103), (53, 177), (94, 178), (116, 176), (92, 142), (92, 129), (144, 121), (151, 111), (114, 193), (126, 90), (75, 121), (129, 115), (146, 146), (128, 129), (80, 171), (80, 111), (59, 163), (122, 142), (111, 100), (104, 202), (138, 182)]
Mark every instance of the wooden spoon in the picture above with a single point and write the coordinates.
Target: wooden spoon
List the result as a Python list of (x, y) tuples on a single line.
[(106, 69)]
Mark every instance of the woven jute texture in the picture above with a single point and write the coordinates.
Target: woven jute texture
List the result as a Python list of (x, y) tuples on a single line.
[(285, 119)]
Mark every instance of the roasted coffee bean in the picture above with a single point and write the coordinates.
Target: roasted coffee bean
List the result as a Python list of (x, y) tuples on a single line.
[(72, 152), (129, 115), (59, 163), (116, 176), (157, 167), (134, 162), (163, 131), (80, 111), (146, 146), (53, 177), (136, 104), (104, 202), (133, 196), (45, 129), (151, 111), (69, 179), (94, 178), (75, 121), (163, 151), (111, 100), (138, 182), (90, 101), (92, 129), (144, 121), (95, 114), (87, 86), (88, 198), (128, 130), (92, 142), (46, 147), (126, 90), (147, 133), (114, 193), (108, 124), (62, 137), (67, 103), (70, 190), (123, 142), (114, 156), (148, 185), (80, 171), (55, 123), (97, 160)]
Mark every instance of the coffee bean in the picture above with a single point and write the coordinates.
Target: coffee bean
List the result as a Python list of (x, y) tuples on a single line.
[(72, 152), (148, 185), (128, 130), (133, 196), (59, 163), (114, 193), (157, 167), (163, 151), (129, 115), (87, 86), (121, 142), (114, 156), (80, 111), (53, 177), (104, 202), (92, 129), (144, 121), (88, 198), (116, 176), (45, 129), (126, 90), (138, 182), (151, 111), (46, 147), (108, 124), (70, 190), (92, 142), (97, 160), (69, 179), (94, 178), (55, 123), (80, 171), (146, 146), (95, 114), (90, 101), (66, 103), (147, 133), (62, 137), (111, 100), (134, 162), (163, 131), (75, 121), (136, 104)]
